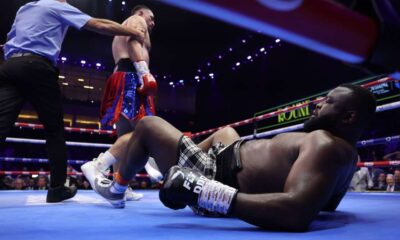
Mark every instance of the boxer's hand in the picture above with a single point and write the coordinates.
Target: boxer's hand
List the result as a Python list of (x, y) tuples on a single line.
[(181, 187), (148, 84)]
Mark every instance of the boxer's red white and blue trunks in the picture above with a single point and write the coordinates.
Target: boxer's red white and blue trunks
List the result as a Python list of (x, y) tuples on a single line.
[(121, 98)]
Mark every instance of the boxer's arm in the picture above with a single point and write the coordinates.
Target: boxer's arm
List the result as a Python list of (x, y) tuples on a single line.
[(307, 190), (135, 48), (108, 27)]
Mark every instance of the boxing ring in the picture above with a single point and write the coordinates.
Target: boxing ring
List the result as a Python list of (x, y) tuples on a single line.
[(26, 215)]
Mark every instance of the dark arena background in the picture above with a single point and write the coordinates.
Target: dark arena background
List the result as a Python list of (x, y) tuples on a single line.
[(217, 63)]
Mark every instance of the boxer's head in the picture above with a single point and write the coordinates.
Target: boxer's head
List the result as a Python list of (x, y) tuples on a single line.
[(146, 13), (345, 107)]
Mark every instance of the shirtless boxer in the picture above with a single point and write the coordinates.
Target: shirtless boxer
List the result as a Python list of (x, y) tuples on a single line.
[(129, 95), (280, 183)]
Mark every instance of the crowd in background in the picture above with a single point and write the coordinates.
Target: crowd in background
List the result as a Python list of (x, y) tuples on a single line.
[(41, 182), (377, 179)]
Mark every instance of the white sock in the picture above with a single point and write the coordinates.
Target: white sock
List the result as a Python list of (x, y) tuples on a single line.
[(116, 188), (153, 171), (105, 161)]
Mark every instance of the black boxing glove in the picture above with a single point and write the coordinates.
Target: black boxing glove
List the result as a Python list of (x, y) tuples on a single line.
[(185, 186)]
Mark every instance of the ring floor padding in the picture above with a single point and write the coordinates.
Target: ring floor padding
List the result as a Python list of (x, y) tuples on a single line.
[(25, 215)]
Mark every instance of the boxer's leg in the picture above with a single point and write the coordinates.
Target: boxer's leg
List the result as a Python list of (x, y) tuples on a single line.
[(225, 136)]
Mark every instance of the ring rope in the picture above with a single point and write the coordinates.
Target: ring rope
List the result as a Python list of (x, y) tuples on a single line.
[(289, 109), (139, 175), (37, 160), (68, 129), (142, 175), (381, 108), (69, 143), (236, 124), (382, 79), (378, 141), (379, 164), (361, 143)]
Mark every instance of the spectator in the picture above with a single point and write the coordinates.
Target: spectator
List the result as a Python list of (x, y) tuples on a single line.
[(5, 183), (71, 177), (390, 183), (42, 183), (143, 184), (397, 180), (361, 180), (86, 185), (375, 174), (19, 184), (8, 182), (381, 183), (29, 183)]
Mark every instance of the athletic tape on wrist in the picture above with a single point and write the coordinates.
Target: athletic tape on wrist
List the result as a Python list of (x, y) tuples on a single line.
[(216, 197)]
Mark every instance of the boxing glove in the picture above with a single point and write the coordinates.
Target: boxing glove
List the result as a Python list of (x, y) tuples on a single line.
[(185, 186), (148, 84)]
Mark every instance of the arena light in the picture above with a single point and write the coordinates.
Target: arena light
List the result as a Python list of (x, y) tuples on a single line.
[(81, 80), (88, 87), (65, 84), (277, 40), (83, 62), (98, 64), (63, 59), (61, 77)]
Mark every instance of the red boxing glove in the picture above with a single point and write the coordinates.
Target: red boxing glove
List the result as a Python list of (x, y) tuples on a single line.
[(148, 84)]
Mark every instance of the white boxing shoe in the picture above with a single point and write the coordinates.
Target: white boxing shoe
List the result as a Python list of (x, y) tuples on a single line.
[(130, 195), (91, 171), (103, 187)]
